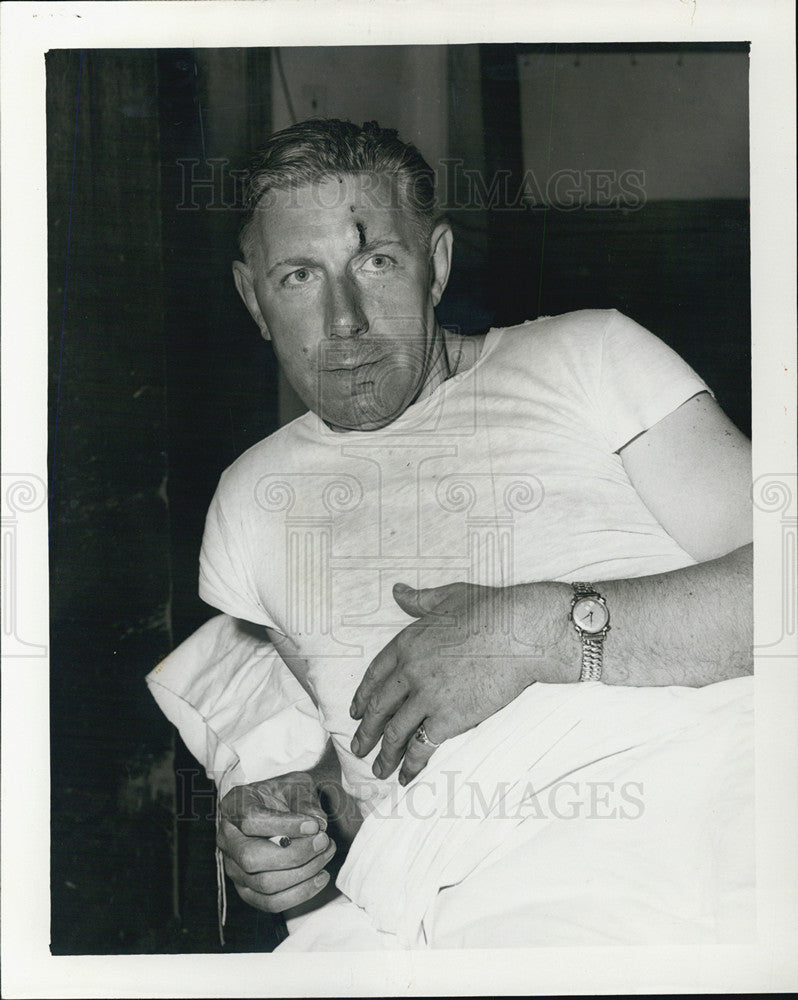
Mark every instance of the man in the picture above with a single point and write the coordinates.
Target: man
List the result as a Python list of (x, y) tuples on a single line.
[(416, 548)]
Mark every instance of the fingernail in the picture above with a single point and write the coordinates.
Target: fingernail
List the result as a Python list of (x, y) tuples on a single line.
[(355, 745), (401, 587), (402, 779), (320, 841), (353, 711), (309, 826), (322, 878), (378, 769)]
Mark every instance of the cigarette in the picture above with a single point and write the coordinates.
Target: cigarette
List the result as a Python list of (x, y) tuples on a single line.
[(281, 841)]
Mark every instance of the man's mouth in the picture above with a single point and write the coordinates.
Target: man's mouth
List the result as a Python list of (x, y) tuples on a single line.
[(350, 365)]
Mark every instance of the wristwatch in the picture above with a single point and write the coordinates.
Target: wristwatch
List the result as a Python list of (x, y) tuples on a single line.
[(590, 617)]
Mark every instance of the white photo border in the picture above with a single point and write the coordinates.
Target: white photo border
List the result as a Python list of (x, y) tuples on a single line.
[(28, 31)]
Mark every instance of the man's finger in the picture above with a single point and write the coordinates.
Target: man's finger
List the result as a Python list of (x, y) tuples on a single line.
[(398, 732), (303, 799), (416, 758), (280, 901), (379, 668), (269, 808), (267, 823), (270, 882), (384, 702), (256, 854)]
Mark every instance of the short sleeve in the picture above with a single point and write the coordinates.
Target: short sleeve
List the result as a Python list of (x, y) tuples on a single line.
[(641, 380), (224, 582)]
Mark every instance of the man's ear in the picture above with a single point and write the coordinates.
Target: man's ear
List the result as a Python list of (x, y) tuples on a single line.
[(440, 243), (246, 289)]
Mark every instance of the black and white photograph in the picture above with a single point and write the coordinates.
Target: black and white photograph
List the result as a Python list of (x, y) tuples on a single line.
[(403, 557)]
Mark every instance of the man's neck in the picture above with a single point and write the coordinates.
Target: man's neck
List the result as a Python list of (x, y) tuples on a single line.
[(453, 355)]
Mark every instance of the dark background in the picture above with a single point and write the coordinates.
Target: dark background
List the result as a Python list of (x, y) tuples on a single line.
[(158, 381)]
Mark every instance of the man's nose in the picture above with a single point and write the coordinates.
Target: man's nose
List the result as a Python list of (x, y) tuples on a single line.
[(345, 315)]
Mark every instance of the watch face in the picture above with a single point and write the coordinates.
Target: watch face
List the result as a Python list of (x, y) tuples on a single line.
[(590, 615)]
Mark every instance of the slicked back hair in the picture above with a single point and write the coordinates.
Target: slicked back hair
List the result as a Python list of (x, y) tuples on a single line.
[(320, 148)]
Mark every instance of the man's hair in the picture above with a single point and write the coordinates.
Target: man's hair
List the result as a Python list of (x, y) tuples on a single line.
[(320, 148)]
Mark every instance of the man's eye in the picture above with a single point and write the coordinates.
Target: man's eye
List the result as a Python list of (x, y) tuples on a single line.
[(299, 277), (378, 262)]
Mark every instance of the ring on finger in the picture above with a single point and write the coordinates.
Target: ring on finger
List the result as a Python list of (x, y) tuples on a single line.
[(421, 737)]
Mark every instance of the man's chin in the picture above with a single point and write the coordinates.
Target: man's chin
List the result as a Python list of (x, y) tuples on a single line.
[(363, 425), (361, 420)]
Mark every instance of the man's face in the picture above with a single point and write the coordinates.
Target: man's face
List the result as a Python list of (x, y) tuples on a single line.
[(345, 291)]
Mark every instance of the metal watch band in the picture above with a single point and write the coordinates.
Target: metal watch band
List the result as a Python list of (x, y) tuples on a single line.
[(592, 645), (592, 658)]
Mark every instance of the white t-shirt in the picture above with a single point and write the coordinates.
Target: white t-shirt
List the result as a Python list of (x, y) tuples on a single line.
[(507, 473)]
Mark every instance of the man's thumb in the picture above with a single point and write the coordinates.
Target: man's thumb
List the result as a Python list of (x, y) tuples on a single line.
[(418, 602)]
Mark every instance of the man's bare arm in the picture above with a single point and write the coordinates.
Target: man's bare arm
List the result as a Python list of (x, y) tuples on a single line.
[(691, 627)]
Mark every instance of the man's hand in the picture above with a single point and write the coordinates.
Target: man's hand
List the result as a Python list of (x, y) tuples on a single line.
[(460, 662), (267, 876)]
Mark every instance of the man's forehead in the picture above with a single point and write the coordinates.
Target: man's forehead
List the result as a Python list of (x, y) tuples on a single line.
[(373, 192), (364, 207)]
